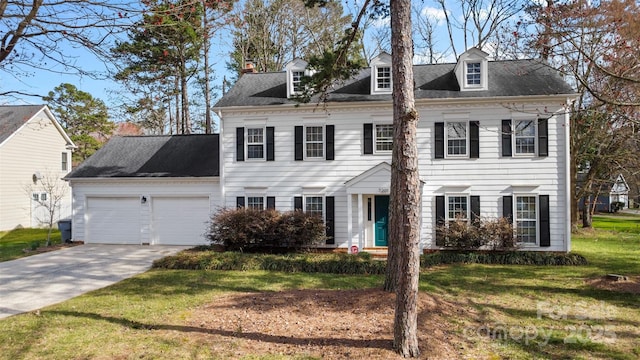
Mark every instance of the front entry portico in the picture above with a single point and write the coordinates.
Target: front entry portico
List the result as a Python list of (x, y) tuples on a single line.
[(368, 208)]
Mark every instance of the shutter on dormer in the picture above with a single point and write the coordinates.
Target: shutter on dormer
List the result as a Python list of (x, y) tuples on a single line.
[(439, 140), (507, 208), (329, 220), (474, 139), (506, 138), (299, 143), (271, 202), (329, 130), (368, 138), (240, 144), (297, 203), (270, 143), (543, 137), (475, 210), (440, 219), (545, 227), (240, 202)]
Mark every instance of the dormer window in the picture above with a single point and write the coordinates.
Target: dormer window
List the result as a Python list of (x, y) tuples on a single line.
[(295, 71), (381, 76), (473, 74), (472, 70)]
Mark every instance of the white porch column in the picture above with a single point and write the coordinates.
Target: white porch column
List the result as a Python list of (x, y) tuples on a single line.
[(360, 223), (349, 222)]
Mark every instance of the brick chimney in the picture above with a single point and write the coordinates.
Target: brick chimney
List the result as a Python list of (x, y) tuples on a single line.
[(248, 67)]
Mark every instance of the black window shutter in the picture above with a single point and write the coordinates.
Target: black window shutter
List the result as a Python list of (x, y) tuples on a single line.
[(475, 210), (329, 130), (297, 203), (240, 201), (545, 228), (440, 219), (368, 138), (543, 137), (506, 138), (329, 220), (474, 139), (299, 143), (507, 208), (240, 144), (270, 143), (439, 140), (271, 202)]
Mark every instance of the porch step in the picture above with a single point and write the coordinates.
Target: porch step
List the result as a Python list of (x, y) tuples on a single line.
[(377, 252)]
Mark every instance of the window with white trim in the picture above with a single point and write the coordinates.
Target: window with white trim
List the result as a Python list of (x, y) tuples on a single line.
[(296, 81), (314, 205), (457, 208), (314, 142), (255, 202), (457, 138), (526, 219), (383, 78), (524, 137), (474, 73), (384, 137), (255, 143), (65, 161)]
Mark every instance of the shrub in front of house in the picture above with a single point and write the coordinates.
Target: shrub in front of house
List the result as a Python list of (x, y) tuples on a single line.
[(486, 234), (245, 229)]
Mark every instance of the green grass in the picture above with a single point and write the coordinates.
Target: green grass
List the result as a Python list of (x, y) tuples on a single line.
[(617, 222), (151, 316), (12, 243)]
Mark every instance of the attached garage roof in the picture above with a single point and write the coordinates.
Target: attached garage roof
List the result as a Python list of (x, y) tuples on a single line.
[(153, 156)]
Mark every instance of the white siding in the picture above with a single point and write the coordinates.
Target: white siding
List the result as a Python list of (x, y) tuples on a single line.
[(151, 189), (36, 147), (491, 176)]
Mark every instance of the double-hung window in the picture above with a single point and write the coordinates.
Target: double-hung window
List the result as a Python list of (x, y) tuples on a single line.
[(457, 208), (255, 202), (65, 161), (255, 143), (314, 142), (314, 205), (296, 81), (384, 137), (474, 74), (525, 137), (457, 138), (526, 220), (383, 78)]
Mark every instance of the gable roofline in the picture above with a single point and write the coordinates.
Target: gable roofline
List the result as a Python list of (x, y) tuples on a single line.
[(49, 114)]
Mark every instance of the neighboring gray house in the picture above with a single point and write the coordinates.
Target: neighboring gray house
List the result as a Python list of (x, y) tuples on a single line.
[(147, 190), (33, 148), (613, 196)]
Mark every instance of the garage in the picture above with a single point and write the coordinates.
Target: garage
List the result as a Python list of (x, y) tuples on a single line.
[(179, 220), (113, 220)]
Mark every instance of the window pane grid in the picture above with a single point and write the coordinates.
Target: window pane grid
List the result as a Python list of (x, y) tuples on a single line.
[(255, 202), (296, 80), (525, 137), (384, 78), (457, 138), (313, 205), (255, 143), (473, 74), (526, 219), (384, 137), (458, 209), (315, 141)]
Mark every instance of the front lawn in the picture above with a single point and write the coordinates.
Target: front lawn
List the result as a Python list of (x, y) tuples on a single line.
[(21, 242), (466, 311)]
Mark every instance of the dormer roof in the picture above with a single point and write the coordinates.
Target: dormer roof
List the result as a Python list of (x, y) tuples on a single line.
[(472, 71), (381, 79), (293, 70)]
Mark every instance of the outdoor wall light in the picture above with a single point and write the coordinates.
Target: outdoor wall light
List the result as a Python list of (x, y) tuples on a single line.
[(143, 200)]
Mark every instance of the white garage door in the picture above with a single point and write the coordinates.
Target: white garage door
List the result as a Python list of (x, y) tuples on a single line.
[(113, 220), (179, 220)]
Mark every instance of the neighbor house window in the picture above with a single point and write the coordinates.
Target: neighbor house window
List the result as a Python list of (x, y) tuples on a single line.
[(65, 161), (296, 81), (314, 141), (525, 136), (313, 205), (255, 202), (457, 208), (526, 219), (457, 138), (384, 137), (255, 143), (474, 74), (383, 78)]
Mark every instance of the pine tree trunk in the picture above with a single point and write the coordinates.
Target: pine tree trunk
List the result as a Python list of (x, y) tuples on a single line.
[(207, 89), (404, 209)]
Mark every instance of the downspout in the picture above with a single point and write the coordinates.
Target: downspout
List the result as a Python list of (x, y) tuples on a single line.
[(221, 160), (567, 168)]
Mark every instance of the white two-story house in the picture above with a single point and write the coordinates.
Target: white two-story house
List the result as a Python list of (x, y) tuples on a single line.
[(493, 139)]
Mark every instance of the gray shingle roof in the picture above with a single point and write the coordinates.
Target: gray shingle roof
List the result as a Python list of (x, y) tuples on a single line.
[(153, 156), (12, 117), (506, 78)]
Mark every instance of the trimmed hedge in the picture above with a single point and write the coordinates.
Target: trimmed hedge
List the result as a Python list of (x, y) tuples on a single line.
[(350, 264)]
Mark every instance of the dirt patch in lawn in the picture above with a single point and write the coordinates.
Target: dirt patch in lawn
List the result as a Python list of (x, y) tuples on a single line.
[(331, 324), (631, 285)]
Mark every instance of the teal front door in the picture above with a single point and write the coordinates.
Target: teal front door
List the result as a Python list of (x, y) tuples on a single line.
[(382, 220)]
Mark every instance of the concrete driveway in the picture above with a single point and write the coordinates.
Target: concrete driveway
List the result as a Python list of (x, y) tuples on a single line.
[(37, 281)]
